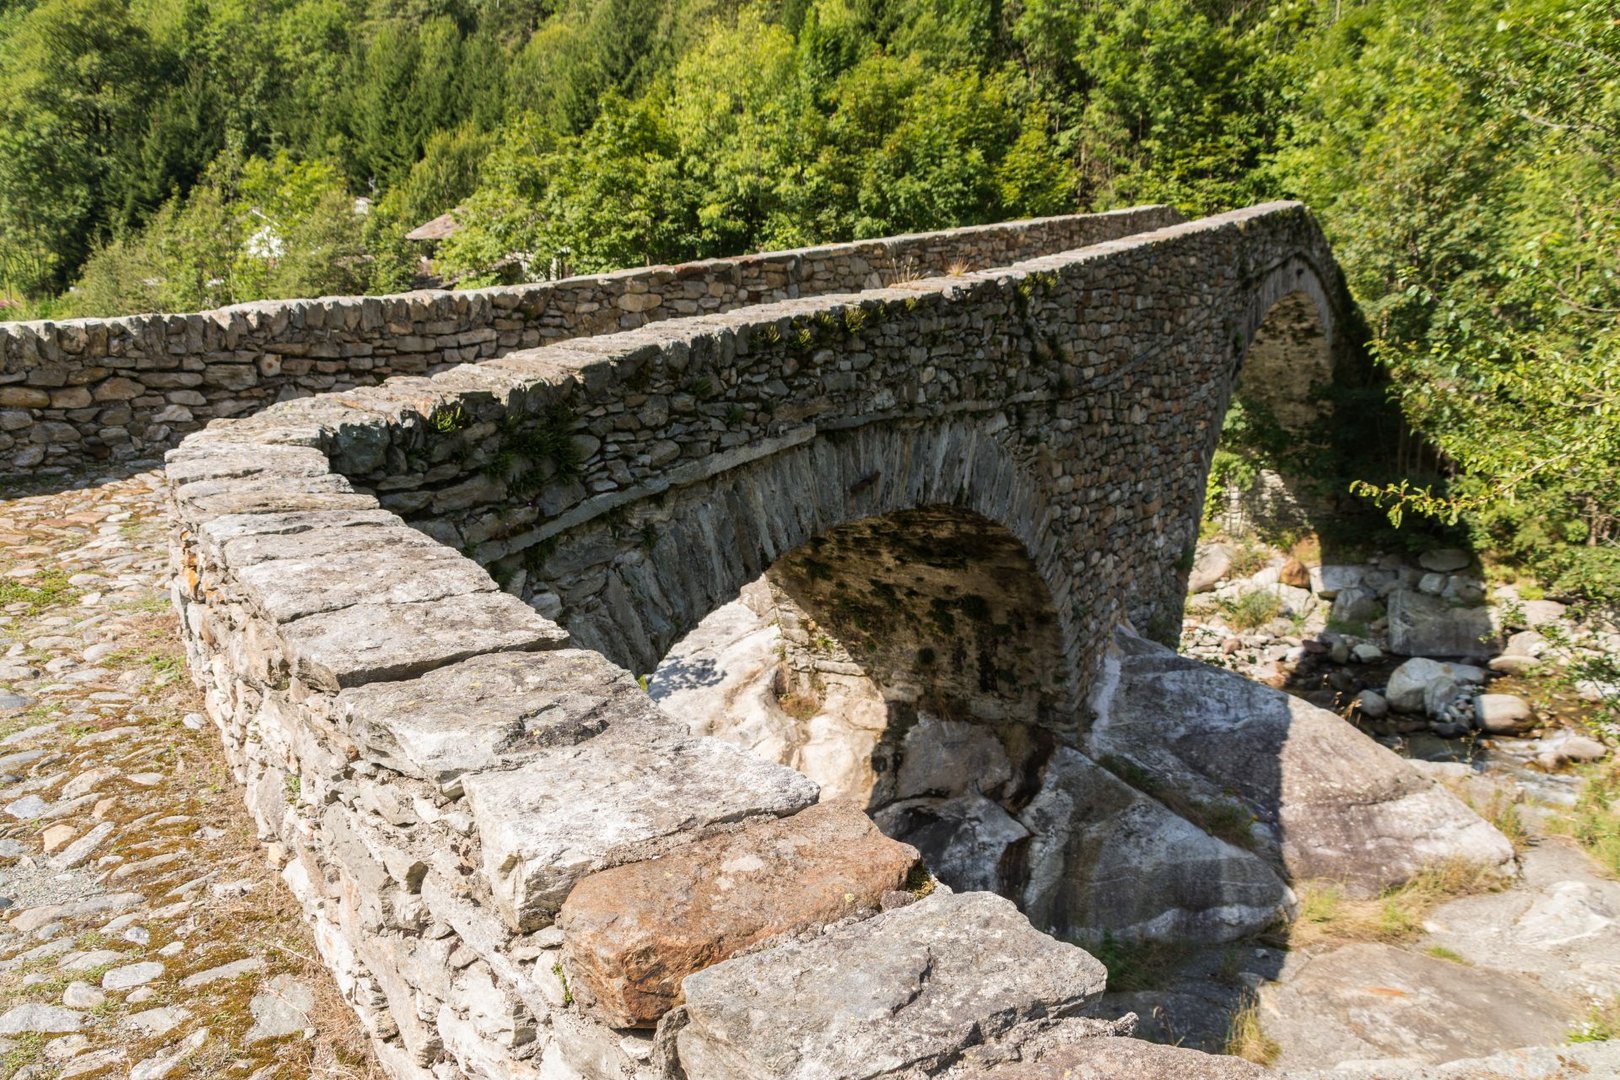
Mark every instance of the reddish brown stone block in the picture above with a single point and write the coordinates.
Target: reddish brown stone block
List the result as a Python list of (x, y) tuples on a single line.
[(633, 932)]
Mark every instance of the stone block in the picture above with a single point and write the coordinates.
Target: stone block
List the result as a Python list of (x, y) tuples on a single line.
[(572, 810), (371, 642), (206, 460), (632, 933), (908, 988), (491, 711), (387, 574), (24, 397)]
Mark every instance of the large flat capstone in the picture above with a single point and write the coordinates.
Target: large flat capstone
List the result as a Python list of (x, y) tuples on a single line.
[(368, 642), (378, 572), (490, 711), (571, 810), (908, 988), (632, 933)]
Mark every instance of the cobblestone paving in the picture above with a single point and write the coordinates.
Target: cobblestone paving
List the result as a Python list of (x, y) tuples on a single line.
[(144, 934)]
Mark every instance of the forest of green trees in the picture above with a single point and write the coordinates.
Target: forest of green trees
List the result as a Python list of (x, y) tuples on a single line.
[(1463, 156)]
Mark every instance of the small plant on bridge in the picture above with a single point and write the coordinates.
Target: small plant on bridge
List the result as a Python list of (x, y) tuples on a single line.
[(446, 419), (528, 445)]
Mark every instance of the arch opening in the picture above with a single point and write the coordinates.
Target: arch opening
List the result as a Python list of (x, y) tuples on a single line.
[(1270, 471), (910, 661)]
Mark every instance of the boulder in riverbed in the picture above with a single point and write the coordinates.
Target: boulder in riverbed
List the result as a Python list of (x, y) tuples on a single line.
[(1090, 832), (1335, 803), (1423, 625), (1505, 714), (1408, 688)]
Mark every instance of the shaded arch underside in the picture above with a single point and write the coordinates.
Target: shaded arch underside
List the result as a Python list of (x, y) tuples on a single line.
[(1289, 364)]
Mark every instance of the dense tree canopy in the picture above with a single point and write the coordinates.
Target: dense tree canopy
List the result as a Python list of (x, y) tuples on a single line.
[(1462, 155)]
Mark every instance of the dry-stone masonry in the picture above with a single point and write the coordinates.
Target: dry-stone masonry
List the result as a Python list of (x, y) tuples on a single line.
[(418, 609), (100, 388)]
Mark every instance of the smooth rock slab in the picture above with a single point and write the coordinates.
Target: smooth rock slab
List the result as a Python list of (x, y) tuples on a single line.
[(1376, 1001), (1337, 804), (1104, 1058), (634, 932), (571, 810), (909, 988), (1563, 1061)]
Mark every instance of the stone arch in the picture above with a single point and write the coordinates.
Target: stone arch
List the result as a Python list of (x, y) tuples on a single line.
[(1288, 339), (647, 573), (1291, 353)]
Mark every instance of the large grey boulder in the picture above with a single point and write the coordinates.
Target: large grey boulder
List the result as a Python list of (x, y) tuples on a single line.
[(1409, 684), (1356, 605), (1105, 858), (911, 988), (1335, 803), (1444, 560), (1423, 625), (1329, 581), (1213, 562)]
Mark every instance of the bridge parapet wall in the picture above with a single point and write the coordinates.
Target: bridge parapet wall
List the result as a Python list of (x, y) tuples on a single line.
[(100, 388), (470, 772)]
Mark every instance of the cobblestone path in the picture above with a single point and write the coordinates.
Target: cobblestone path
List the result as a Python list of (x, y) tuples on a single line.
[(144, 934)]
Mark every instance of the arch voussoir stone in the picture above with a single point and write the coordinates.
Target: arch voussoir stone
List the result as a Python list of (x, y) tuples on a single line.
[(426, 598)]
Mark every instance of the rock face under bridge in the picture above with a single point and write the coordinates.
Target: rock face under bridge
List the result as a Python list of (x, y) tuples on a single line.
[(428, 600)]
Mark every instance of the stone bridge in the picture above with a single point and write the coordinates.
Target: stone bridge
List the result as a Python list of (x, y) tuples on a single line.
[(419, 608)]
